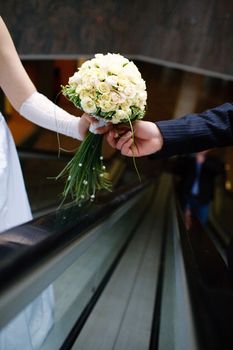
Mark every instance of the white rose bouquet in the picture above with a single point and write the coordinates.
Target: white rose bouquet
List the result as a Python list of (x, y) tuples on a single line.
[(110, 88)]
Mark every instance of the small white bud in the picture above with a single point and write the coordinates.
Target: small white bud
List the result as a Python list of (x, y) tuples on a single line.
[(80, 165), (101, 157)]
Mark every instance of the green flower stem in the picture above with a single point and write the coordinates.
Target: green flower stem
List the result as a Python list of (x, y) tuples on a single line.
[(134, 160)]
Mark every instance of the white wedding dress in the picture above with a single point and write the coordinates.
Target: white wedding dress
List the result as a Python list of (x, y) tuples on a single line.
[(30, 328)]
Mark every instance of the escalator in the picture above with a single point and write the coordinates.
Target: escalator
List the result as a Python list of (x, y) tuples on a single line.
[(123, 273)]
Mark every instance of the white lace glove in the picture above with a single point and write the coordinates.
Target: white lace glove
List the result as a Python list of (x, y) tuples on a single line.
[(43, 112)]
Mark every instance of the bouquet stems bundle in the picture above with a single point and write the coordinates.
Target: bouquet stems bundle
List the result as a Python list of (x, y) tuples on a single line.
[(86, 172), (110, 88)]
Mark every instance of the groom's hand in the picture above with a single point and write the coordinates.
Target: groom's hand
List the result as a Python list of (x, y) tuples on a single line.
[(144, 140)]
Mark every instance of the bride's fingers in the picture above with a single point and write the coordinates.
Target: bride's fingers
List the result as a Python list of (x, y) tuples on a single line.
[(91, 119)]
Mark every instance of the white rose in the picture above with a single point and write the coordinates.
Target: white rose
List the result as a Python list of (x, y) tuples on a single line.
[(106, 105), (102, 62), (130, 91), (112, 80), (121, 115), (93, 81), (85, 65), (87, 83), (142, 84), (132, 73), (142, 95), (126, 108), (101, 75), (123, 82), (88, 105), (104, 98), (87, 94), (99, 56), (117, 97), (139, 103), (103, 88), (75, 79), (115, 120), (78, 89), (121, 60), (114, 68)]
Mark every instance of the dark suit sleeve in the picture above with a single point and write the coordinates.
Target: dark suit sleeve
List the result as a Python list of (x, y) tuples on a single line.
[(197, 132)]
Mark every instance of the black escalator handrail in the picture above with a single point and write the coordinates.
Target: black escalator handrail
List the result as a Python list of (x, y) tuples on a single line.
[(210, 286), (25, 153), (29, 153), (25, 247)]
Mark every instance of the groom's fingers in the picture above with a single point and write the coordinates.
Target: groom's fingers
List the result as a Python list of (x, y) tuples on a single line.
[(118, 141), (111, 138), (127, 148), (122, 127), (123, 139)]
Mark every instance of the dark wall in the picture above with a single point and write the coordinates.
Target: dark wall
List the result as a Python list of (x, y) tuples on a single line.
[(197, 33)]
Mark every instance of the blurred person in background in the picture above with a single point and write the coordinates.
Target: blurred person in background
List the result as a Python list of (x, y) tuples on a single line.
[(197, 178)]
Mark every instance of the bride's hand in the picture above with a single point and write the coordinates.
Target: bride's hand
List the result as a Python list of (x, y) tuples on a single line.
[(87, 120)]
